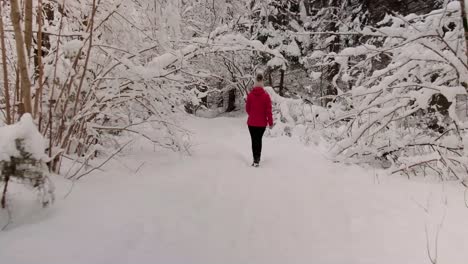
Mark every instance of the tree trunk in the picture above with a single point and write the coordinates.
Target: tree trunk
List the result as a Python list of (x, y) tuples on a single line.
[(321, 86), (38, 97), (281, 86), (20, 49), (231, 100), (17, 100), (307, 6), (28, 23), (88, 54), (464, 6), (270, 80), (5, 70)]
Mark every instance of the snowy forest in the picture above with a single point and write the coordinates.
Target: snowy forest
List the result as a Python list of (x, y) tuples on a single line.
[(132, 113)]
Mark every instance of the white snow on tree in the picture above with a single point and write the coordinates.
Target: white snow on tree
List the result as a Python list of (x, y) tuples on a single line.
[(403, 113)]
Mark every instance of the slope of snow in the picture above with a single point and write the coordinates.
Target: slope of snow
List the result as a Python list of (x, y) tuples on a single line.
[(212, 207)]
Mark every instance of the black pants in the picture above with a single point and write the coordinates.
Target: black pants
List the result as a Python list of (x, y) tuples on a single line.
[(256, 134)]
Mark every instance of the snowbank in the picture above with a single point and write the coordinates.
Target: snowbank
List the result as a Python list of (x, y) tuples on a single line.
[(22, 160), (32, 141)]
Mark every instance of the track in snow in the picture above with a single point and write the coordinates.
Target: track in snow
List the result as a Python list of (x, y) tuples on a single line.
[(214, 208)]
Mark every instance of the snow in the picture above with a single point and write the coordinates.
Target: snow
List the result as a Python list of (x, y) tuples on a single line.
[(72, 47), (235, 42), (329, 39), (25, 130), (293, 49), (315, 75), (357, 51), (157, 66), (154, 206), (276, 62), (454, 6), (317, 54)]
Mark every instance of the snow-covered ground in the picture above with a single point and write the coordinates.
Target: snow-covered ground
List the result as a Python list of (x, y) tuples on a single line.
[(212, 207)]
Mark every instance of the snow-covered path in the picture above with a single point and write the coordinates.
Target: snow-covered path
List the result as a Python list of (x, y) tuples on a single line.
[(214, 208)]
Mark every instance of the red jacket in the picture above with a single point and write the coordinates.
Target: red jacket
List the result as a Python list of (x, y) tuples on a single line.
[(258, 108)]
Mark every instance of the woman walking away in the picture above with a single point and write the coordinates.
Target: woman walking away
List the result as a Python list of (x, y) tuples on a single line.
[(258, 108)]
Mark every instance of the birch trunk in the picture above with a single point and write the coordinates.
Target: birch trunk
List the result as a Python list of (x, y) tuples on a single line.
[(38, 97), (5, 70), (464, 6), (28, 23), (25, 85)]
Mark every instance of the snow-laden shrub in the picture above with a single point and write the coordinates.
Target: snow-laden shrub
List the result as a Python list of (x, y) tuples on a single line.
[(403, 114), (22, 159), (108, 68), (297, 117)]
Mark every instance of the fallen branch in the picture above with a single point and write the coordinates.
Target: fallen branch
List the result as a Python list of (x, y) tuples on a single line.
[(107, 160), (414, 165)]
